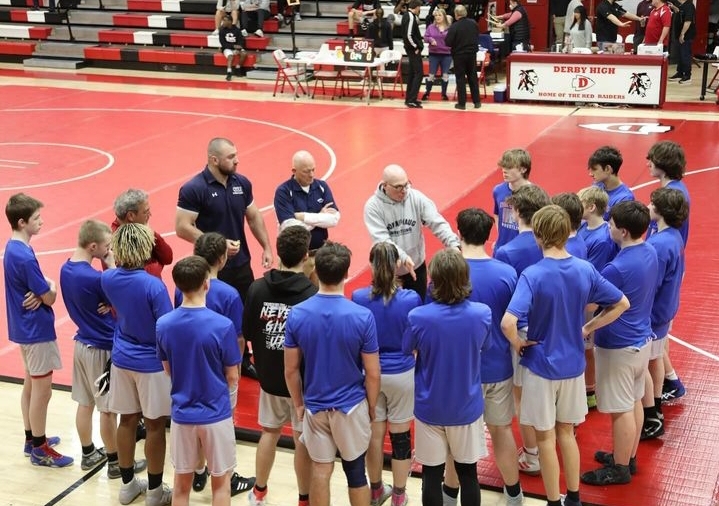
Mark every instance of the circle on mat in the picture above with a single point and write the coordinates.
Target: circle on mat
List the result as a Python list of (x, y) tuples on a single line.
[(27, 165)]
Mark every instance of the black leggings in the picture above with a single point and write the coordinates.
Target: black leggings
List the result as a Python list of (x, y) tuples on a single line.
[(432, 484)]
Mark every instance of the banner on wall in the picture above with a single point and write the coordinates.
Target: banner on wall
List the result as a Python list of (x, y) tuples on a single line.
[(585, 82)]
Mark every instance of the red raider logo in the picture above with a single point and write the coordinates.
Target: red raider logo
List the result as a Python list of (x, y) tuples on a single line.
[(629, 128), (581, 83)]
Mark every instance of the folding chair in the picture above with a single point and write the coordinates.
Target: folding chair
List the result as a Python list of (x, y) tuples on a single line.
[(286, 74), (320, 76), (716, 66), (395, 75)]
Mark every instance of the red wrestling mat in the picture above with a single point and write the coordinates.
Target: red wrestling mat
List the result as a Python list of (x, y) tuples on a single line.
[(76, 150)]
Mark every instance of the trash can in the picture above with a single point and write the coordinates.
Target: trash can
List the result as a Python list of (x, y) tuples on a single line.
[(500, 93)]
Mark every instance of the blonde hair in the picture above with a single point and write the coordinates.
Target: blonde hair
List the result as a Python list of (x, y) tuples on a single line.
[(594, 195), (132, 245), (92, 231), (551, 225)]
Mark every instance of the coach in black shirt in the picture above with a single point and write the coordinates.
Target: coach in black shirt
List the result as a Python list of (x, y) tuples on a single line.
[(413, 46), (462, 40)]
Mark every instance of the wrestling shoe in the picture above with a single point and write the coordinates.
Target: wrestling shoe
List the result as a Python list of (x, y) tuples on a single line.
[(673, 389), (51, 442), (607, 475), (239, 484), (199, 480), (380, 495), (528, 463), (517, 500), (46, 456), (96, 458), (113, 468), (159, 496), (131, 491), (607, 459)]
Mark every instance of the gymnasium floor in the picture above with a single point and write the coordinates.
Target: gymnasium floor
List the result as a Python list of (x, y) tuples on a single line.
[(77, 140)]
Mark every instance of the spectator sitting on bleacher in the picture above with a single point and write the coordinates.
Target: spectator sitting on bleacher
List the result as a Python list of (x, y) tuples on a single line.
[(256, 11), (285, 12), (233, 45), (447, 5), (225, 8), (361, 12), (380, 31), (399, 7)]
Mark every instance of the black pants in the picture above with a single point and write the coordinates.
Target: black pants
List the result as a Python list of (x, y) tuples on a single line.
[(239, 277), (465, 70), (414, 80), (420, 284)]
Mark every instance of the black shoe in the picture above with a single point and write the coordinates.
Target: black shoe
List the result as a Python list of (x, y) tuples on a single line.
[(228, 77), (425, 97), (248, 370), (653, 428), (412, 105), (607, 459), (445, 98), (239, 484), (140, 432), (675, 77), (607, 475), (418, 105), (461, 107), (200, 480), (477, 105)]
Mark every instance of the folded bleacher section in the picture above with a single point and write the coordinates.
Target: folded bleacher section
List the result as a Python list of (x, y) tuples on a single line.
[(164, 35)]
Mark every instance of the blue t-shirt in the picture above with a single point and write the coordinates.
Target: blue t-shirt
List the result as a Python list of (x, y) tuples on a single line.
[(618, 194), (601, 249), (507, 227), (22, 275), (198, 344), (139, 300), (634, 272), (520, 253), (391, 321), (669, 246), (449, 339), (219, 208), (332, 333), (493, 283), (290, 198), (223, 299), (577, 247), (553, 295), (82, 294), (684, 229)]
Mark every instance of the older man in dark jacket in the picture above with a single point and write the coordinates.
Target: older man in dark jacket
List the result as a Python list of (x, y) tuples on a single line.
[(462, 39)]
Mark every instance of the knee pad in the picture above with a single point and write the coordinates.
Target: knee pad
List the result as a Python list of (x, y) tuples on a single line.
[(401, 445), (354, 471)]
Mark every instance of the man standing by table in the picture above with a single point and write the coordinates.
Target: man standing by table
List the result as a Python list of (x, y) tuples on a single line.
[(687, 32), (462, 39), (658, 25), (608, 14), (217, 200), (413, 46)]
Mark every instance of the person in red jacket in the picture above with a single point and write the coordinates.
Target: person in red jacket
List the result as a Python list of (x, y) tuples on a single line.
[(133, 206)]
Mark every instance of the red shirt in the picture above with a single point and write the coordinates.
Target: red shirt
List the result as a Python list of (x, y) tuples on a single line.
[(659, 18), (161, 253)]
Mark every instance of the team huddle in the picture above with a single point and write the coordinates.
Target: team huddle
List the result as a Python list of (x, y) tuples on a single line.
[(569, 310)]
